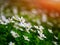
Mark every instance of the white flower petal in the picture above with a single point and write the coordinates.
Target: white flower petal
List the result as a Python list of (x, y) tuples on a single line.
[(11, 43)]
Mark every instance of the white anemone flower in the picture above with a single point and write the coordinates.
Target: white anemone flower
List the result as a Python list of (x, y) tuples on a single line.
[(11, 43), (26, 38), (14, 34), (50, 30), (41, 27), (21, 24), (28, 25), (40, 38), (55, 37), (36, 27), (55, 43), (4, 19), (41, 34), (22, 20)]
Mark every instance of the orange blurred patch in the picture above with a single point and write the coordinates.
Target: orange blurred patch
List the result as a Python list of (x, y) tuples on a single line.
[(48, 4)]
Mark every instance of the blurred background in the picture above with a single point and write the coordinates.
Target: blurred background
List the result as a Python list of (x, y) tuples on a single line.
[(25, 6)]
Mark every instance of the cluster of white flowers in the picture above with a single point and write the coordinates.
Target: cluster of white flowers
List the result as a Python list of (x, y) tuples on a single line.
[(28, 26), (40, 32), (22, 23), (14, 34)]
